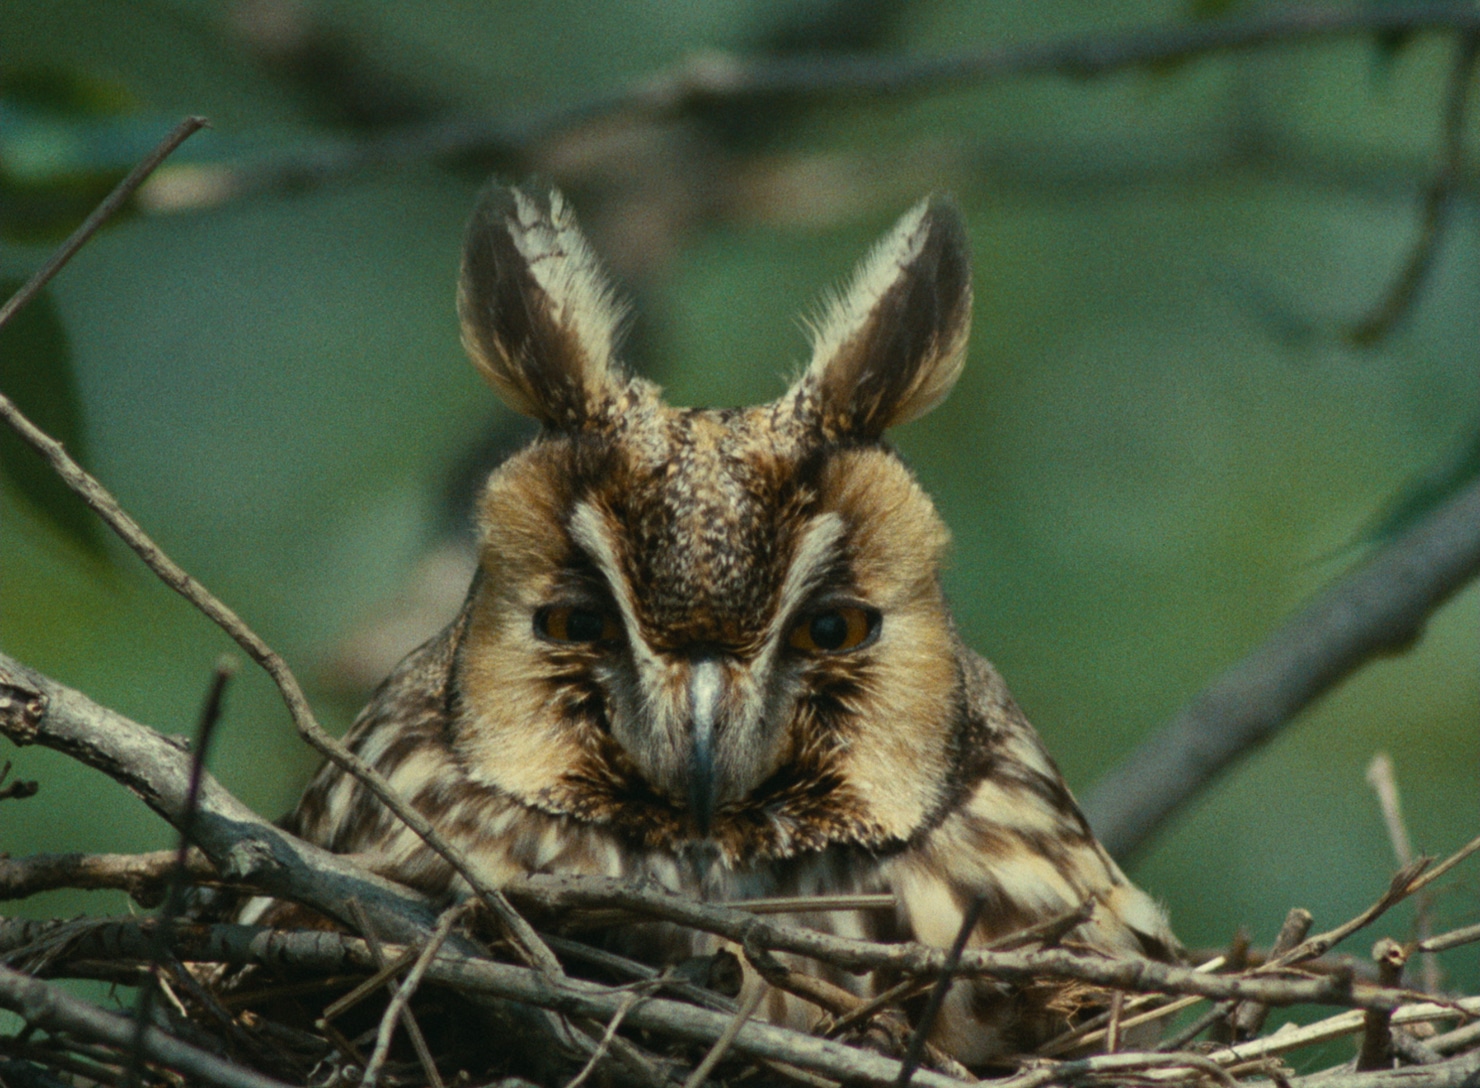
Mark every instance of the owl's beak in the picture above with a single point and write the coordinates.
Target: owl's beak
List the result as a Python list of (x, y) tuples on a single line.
[(705, 687)]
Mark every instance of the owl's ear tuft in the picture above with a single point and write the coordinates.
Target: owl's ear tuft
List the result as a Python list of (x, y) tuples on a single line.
[(539, 318), (890, 347)]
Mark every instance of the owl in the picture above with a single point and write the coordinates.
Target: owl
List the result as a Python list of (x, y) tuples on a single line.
[(709, 649)]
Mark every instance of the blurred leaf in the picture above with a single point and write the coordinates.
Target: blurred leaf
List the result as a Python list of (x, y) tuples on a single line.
[(54, 167), (64, 92), (36, 373), (1428, 490)]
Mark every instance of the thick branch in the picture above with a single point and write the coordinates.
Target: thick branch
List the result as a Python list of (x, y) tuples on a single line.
[(144, 876), (1379, 608), (246, 848)]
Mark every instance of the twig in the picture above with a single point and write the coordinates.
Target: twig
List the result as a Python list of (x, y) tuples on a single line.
[(1378, 608), (1181, 1038), (1116, 1063), (921, 1036), (174, 901), (1135, 974), (1453, 939), (602, 1045), (18, 790), (144, 876), (100, 215), (525, 940), (399, 1006), (1112, 1031), (44, 1006), (1384, 783), (1386, 314), (1377, 1032), (722, 1045), (1250, 1016), (246, 848), (1334, 1027)]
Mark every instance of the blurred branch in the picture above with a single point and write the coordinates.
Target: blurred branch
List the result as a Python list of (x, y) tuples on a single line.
[(1379, 608), (1375, 327), (708, 80)]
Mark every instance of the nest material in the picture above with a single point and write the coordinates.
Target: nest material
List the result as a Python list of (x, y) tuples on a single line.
[(326, 1007)]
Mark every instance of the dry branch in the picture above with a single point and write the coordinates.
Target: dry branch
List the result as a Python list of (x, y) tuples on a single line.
[(1379, 608), (44, 1006)]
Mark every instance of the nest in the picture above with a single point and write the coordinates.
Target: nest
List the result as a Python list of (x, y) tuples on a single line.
[(473, 994)]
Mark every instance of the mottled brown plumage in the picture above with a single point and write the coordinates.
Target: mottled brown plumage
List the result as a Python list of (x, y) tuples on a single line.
[(710, 649)]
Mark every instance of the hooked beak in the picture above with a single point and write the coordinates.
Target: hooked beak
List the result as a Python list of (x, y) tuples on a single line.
[(705, 687)]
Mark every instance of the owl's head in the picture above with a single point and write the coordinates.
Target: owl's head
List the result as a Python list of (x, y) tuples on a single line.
[(696, 624)]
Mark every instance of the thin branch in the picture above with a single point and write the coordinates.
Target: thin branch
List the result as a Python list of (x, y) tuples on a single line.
[(1384, 782), (1379, 608), (551, 892), (19, 789), (44, 1006), (724, 1042), (1249, 1017), (521, 933), (707, 80), (970, 917), (400, 1001), (100, 215), (174, 902), (1386, 314)]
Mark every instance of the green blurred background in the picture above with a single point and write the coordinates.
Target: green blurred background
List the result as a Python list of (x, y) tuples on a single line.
[(1161, 446)]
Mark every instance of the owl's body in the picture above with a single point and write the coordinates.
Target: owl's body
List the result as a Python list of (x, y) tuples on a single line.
[(709, 648)]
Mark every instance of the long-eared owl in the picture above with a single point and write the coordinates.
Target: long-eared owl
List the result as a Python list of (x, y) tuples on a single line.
[(709, 648)]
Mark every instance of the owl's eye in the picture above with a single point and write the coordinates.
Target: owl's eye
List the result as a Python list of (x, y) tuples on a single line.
[(836, 630), (570, 623)]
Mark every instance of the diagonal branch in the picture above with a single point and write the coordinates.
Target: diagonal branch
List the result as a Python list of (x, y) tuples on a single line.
[(1379, 608)]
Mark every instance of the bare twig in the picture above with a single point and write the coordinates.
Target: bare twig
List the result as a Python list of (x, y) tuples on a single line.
[(245, 848), (100, 215), (19, 789), (398, 1007), (603, 1045), (1139, 975), (144, 876), (1116, 1063), (1378, 608), (1384, 782), (1453, 939), (174, 901), (1386, 314), (1250, 1016), (970, 917), (521, 933), (44, 1006), (1377, 1032), (722, 1045)]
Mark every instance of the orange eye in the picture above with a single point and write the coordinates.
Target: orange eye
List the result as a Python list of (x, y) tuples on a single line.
[(568, 623), (836, 630)]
